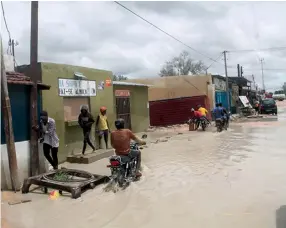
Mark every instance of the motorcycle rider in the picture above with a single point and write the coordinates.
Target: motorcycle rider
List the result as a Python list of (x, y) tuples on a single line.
[(196, 116), (226, 116), (218, 112), (204, 113), (120, 141)]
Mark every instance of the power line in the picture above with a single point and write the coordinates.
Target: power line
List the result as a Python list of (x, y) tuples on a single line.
[(3, 13), (220, 55), (166, 33), (266, 69), (263, 49), (8, 31)]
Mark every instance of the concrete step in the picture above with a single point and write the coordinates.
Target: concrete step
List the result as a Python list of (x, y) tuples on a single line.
[(90, 157)]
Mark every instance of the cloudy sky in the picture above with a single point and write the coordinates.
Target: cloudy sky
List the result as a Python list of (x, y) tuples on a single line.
[(104, 35)]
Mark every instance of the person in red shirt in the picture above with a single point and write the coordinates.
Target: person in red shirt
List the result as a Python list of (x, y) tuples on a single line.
[(120, 141), (196, 116)]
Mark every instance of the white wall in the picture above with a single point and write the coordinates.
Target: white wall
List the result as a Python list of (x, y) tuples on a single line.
[(23, 156)]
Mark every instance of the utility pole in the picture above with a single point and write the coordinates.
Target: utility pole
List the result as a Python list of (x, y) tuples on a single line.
[(241, 71), (34, 153), (253, 79), (8, 127), (13, 44), (238, 70), (226, 79), (262, 74)]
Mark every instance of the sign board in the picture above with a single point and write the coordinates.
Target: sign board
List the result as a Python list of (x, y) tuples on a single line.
[(122, 93), (108, 82), (245, 101), (76, 88)]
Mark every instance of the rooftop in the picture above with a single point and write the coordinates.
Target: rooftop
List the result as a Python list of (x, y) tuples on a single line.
[(21, 79), (129, 84), (18, 78)]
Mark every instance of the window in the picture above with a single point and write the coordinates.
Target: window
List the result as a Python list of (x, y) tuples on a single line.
[(268, 102), (72, 107)]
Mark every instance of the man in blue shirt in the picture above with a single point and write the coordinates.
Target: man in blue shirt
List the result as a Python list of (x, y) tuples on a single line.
[(218, 112), (226, 115)]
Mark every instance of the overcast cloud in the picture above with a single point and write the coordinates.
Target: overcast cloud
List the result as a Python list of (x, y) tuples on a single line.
[(103, 35)]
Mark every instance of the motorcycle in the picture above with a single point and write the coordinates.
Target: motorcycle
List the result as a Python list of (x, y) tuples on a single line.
[(219, 125), (123, 168), (202, 122)]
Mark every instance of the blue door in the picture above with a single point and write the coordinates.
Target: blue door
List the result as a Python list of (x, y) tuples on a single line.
[(220, 97)]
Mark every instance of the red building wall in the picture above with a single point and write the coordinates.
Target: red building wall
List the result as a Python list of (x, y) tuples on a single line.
[(175, 111)]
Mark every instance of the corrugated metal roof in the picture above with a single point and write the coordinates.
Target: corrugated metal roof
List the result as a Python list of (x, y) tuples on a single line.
[(21, 79), (174, 111), (129, 83), (18, 78)]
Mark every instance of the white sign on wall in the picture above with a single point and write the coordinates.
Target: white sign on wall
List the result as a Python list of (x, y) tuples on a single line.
[(76, 88)]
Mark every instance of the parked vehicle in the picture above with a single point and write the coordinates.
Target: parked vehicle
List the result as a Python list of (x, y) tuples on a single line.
[(268, 106), (123, 168), (279, 95)]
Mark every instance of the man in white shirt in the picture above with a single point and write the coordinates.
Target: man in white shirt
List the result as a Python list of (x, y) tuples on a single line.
[(49, 138)]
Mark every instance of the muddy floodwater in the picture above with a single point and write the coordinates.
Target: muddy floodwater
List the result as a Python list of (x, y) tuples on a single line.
[(235, 179)]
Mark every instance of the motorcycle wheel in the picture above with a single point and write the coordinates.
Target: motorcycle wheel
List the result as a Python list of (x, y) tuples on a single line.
[(219, 128), (203, 126), (121, 178)]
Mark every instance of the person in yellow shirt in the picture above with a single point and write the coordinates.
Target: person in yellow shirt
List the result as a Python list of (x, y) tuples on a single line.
[(102, 126), (204, 112)]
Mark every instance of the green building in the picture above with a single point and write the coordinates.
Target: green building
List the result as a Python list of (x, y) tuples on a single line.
[(73, 86)]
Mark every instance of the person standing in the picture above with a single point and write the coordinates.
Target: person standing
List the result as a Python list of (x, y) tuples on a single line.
[(102, 126), (49, 138), (85, 120)]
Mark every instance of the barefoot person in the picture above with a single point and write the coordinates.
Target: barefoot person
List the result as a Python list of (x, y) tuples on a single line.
[(85, 121), (49, 138), (102, 127)]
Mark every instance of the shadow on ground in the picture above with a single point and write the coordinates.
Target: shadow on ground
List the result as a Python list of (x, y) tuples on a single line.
[(281, 217)]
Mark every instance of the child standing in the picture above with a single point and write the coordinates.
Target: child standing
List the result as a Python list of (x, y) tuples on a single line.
[(102, 126)]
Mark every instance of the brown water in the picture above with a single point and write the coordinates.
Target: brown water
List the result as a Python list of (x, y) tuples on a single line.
[(198, 179)]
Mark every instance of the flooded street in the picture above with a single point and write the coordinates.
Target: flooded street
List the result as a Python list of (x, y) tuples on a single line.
[(236, 178)]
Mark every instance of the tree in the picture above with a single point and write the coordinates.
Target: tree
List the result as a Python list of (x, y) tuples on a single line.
[(182, 65), (119, 78), (284, 87)]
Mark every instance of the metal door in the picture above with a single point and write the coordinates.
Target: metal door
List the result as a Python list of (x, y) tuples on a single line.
[(123, 110), (220, 97)]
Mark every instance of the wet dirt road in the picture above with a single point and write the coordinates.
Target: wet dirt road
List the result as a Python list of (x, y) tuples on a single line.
[(197, 179)]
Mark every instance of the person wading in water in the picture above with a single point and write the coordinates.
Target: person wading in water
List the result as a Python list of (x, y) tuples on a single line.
[(48, 136), (102, 126), (85, 121)]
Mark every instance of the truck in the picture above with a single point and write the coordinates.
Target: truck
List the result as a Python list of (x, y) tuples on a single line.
[(279, 95)]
